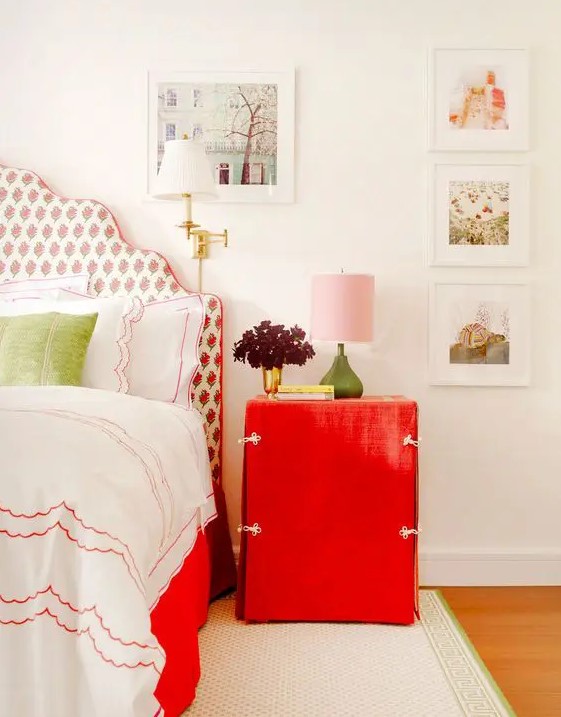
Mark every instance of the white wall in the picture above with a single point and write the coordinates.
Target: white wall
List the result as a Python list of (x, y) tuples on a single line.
[(73, 108)]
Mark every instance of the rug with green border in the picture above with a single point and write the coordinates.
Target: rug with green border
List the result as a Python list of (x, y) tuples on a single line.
[(429, 669)]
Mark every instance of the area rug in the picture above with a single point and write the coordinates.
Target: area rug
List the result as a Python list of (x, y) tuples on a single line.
[(429, 669)]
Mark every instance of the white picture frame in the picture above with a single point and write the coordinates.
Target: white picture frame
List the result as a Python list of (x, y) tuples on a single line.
[(478, 99), (460, 354), (228, 110), (479, 214)]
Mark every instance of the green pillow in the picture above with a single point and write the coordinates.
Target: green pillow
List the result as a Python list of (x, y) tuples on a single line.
[(44, 349)]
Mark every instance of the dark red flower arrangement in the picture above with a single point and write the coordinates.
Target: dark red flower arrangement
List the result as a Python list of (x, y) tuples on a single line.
[(273, 346)]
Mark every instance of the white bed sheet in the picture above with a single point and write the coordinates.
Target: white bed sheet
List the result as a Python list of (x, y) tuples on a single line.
[(101, 498)]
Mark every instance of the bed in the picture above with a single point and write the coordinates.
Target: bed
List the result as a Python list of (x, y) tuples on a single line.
[(113, 529)]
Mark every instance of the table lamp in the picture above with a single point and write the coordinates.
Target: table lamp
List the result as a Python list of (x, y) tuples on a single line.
[(185, 173), (342, 310)]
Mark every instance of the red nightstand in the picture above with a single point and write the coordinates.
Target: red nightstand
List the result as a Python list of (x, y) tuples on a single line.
[(329, 511)]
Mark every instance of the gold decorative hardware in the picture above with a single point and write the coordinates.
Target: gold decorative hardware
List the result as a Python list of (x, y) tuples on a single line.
[(202, 238)]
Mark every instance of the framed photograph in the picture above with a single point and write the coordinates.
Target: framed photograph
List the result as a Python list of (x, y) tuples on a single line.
[(245, 119), (478, 99), (479, 334), (479, 215)]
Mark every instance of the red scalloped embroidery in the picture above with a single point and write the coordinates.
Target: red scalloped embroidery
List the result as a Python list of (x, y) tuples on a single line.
[(78, 611), (77, 518), (58, 524), (101, 424), (78, 633), (132, 314)]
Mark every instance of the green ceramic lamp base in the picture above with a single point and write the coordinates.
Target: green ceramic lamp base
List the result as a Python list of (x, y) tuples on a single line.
[(347, 384)]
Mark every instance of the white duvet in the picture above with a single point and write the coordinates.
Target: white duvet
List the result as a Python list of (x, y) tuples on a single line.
[(101, 496)]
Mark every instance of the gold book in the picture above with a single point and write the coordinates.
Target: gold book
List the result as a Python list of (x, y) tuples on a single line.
[(286, 397), (287, 388)]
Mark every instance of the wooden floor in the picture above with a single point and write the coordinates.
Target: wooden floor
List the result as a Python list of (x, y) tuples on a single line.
[(517, 633)]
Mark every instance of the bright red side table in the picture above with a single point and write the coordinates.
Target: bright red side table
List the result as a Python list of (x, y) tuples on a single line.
[(329, 511)]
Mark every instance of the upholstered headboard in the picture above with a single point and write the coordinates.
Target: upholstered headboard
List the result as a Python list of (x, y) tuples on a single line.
[(43, 234)]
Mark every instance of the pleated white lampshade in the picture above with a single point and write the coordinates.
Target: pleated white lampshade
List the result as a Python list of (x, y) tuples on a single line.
[(185, 169)]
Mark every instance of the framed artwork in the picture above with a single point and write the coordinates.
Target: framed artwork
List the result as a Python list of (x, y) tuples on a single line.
[(479, 215), (478, 99), (245, 119), (479, 334)]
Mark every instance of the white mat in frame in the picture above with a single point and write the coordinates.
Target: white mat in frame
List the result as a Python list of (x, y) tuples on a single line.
[(479, 214), (479, 333)]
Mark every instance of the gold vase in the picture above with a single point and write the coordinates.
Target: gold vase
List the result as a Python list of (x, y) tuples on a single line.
[(271, 379)]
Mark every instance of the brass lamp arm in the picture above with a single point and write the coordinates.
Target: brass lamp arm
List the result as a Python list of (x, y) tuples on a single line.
[(201, 240), (222, 238)]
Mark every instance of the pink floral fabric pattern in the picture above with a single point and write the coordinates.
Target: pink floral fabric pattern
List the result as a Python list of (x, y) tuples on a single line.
[(44, 235)]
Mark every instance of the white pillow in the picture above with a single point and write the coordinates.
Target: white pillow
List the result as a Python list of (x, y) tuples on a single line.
[(36, 295), (164, 349), (107, 354), (77, 282)]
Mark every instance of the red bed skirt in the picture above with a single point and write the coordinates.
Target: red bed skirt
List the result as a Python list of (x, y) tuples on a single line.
[(176, 619), (208, 571)]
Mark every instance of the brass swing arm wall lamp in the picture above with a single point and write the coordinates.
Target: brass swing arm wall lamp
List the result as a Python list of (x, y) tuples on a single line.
[(201, 237), (185, 174)]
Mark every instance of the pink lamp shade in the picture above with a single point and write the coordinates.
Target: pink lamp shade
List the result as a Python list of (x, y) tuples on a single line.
[(342, 307)]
